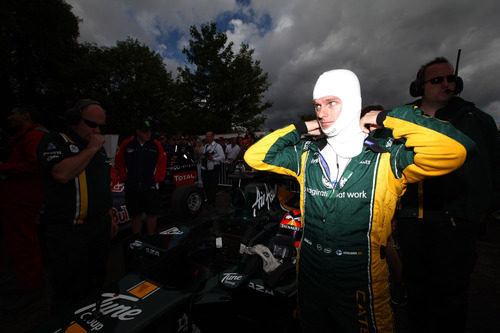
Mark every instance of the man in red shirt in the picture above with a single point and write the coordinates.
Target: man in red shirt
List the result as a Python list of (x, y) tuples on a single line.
[(21, 198)]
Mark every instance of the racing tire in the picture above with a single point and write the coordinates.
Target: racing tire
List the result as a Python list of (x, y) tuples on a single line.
[(187, 200)]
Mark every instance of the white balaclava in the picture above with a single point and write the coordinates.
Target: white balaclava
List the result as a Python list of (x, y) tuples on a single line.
[(344, 136)]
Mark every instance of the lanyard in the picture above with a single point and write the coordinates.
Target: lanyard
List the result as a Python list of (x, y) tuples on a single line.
[(325, 166)]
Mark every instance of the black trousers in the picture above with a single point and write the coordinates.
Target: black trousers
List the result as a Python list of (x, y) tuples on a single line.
[(210, 178), (77, 257), (438, 259)]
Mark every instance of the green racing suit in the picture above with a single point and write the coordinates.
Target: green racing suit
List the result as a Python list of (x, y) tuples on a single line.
[(342, 270)]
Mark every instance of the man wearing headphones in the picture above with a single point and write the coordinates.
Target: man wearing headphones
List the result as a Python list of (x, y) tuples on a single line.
[(440, 217), (76, 218)]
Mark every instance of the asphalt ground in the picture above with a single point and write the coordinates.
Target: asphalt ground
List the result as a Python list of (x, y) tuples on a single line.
[(484, 305)]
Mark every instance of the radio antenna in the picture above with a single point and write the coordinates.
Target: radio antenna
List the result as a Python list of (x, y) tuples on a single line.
[(458, 61)]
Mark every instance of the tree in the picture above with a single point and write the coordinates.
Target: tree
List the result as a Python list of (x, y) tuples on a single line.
[(223, 90), (132, 83), (43, 65), (38, 41)]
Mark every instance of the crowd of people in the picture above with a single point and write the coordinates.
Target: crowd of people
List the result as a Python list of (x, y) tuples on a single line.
[(436, 160), (234, 146)]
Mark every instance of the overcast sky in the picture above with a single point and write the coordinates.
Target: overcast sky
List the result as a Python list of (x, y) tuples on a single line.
[(383, 41)]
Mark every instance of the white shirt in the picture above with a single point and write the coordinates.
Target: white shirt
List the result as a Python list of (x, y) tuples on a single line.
[(217, 153), (232, 152)]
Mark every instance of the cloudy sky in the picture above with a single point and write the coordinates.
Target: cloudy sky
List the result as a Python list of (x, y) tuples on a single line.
[(383, 41)]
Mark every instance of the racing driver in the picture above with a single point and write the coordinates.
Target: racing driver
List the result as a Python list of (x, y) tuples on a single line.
[(349, 185)]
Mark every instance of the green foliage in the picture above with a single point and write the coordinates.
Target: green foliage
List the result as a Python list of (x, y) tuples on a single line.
[(38, 45), (224, 89), (132, 83), (44, 65)]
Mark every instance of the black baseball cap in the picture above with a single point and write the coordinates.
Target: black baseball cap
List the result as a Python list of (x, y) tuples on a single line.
[(144, 125)]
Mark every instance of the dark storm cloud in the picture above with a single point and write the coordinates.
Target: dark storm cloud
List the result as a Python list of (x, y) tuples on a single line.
[(384, 42)]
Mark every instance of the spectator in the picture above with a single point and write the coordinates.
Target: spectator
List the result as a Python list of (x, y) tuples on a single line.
[(197, 157), (350, 188), (222, 142), (169, 148), (164, 142), (247, 143), (239, 141), (232, 153), (183, 152), (250, 140), (76, 187), (197, 149), (212, 156), (142, 165), (440, 217), (20, 202)]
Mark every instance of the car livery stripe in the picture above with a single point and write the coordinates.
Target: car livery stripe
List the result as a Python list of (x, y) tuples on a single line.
[(370, 245), (382, 187), (301, 180), (82, 197), (81, 193)]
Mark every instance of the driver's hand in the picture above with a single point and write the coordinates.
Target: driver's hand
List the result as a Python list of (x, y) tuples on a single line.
[(368, 122), (313, 127)]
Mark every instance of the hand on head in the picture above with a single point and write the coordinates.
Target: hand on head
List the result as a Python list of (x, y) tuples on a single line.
[(368, 122), (313, 127)]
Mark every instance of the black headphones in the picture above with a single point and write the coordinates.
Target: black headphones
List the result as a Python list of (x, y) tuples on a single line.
[(417, 86), (73, 115)]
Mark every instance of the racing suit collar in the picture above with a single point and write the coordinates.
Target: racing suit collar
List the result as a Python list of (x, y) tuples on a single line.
[(373, 145), (369, 143)]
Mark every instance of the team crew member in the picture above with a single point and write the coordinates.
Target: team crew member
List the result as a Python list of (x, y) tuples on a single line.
[(142, 165), (77, 194), (349, 188), (21, 199), (440, 217)]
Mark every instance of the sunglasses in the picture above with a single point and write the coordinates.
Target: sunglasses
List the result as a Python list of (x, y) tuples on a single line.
[(438, 79), (92, 124)]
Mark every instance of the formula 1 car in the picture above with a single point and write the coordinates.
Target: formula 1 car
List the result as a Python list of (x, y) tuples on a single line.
[(261, 288), (139, 301), (226, 273)]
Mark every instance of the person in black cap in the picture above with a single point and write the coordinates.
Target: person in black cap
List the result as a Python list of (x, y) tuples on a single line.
[(142, 165)]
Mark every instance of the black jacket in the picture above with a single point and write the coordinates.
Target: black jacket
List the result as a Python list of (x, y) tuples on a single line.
[(472, 190), (141, 167)]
